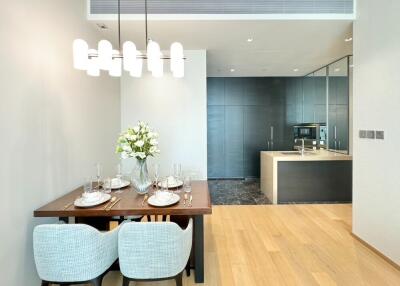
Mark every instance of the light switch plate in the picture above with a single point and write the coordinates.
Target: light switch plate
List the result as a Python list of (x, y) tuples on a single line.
[(380, 134), (363, 134), (371, 134)]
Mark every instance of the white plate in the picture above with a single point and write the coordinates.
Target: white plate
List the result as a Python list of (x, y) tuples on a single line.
[(115, 185), (173, 199), (81, 203), (177, 184)]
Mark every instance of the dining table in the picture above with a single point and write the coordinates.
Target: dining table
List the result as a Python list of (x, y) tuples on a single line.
[(129, 203)]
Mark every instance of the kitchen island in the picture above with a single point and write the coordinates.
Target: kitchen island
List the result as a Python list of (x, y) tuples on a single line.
[(318, 176)]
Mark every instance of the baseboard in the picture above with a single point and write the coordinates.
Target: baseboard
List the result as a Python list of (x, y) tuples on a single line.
[(366, 244)]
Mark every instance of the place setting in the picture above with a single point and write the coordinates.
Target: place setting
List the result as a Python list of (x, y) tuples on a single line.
[(97, 192), (167, 191)]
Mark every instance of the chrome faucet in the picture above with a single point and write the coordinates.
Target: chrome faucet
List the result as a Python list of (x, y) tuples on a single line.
[(302, 148)]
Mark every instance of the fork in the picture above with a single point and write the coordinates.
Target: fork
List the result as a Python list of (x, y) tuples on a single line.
[(185, 199), (144, 199), (70, 204)]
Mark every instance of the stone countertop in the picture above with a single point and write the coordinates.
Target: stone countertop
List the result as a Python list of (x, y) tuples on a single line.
[(317, 155)]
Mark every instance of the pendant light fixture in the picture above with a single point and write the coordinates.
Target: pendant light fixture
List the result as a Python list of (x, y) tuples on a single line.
[(128, 58)]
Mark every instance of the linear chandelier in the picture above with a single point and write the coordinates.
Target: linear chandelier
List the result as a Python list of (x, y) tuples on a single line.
[(129, 58)]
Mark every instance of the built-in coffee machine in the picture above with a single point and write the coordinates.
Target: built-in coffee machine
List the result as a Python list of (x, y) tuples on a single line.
[(313, 134)]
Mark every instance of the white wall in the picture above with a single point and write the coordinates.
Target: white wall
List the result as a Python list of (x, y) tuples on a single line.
[(376, 106), (55, 122), (176, 109)]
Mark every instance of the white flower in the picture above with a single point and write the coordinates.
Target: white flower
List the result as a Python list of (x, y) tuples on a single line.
[(153, 149), (124, 155), (139, 143), (126, 148), (136, 129), (153, 142), (141, 155)]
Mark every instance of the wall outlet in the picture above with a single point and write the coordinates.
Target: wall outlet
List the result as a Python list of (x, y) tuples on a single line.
[(380, 134)]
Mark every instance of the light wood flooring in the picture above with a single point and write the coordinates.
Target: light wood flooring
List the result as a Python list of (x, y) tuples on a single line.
[(285, 245)]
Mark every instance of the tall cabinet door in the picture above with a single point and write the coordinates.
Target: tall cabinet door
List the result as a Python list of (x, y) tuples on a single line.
[(255, 138), (215, 91), (216, 141), (234, 142), (342, 120)]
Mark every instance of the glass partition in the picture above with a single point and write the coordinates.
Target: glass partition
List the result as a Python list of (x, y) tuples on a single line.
[(326, 101), (338, 105)]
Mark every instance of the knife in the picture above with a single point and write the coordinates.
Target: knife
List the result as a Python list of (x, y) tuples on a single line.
[(113, 204)]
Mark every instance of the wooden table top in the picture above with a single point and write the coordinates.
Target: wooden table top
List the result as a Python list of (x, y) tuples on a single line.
[(130, 204)]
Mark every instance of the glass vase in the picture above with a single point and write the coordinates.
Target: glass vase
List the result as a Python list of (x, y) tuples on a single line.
[(140, 177)]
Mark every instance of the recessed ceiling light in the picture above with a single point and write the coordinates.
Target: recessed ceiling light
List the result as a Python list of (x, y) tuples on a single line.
[(296, 70), (249, 40), (348, 39), (232, 70), (337, 69)]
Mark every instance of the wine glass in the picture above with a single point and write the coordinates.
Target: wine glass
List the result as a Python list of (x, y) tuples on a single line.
[(119, 179), (177, 175), (156, 175), (98, 174)]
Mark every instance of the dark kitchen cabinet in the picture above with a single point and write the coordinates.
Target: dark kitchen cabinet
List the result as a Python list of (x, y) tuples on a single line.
[(246, 116), (216, 141), (234, 90), (215, 91), (234, 142), (338, 127), (342, 122), (256, 137)]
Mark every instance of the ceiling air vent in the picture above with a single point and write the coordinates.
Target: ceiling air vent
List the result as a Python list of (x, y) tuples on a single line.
[(98, 7)]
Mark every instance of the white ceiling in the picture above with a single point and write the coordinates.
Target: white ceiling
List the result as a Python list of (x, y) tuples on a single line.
[(278, 46)]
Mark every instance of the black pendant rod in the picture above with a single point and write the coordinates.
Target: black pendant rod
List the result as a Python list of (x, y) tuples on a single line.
[(145, 19), (119, 25)]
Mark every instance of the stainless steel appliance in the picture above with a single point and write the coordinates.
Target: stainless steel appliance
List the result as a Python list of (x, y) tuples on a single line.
[(313, 134)]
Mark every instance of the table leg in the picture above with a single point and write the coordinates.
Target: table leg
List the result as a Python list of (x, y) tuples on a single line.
[(199, 249)]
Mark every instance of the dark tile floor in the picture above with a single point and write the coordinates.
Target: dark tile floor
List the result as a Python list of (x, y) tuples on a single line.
[(236, 192)]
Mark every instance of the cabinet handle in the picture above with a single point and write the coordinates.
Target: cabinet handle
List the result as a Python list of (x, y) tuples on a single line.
[(339, 145), (335, 145), (268, 145), (272, 145)]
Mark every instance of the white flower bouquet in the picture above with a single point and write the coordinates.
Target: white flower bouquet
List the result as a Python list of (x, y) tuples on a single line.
[(139, 142)]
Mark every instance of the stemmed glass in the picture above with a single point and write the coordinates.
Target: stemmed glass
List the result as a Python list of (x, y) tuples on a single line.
[(177, 175), (156, 175), (119, 179), (187, 188), (98, 175)]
